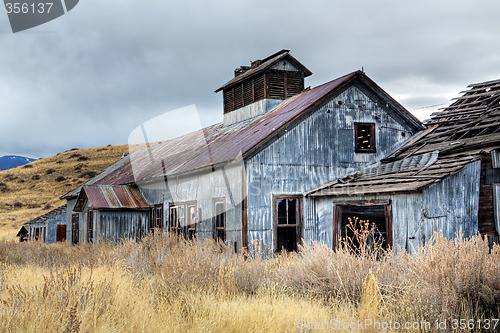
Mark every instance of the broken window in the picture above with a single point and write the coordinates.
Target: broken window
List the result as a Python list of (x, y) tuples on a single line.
[(90, 226), (287, 228), (156, 219), (183, 219), (368, 223), (364, 135), (75, 230), (219, 220)]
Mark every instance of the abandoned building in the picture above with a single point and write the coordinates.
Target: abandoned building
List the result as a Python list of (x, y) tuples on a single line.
[(245, 179), (49, 227), (446, 178)]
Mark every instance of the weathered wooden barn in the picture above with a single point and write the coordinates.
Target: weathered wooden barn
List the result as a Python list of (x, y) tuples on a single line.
[(244, 179), (49, 227), (445, 179)]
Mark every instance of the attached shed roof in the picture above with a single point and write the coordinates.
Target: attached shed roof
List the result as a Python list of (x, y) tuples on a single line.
[(110, 197), (460, 134), (48, 215), (264, 65), (401, 176)]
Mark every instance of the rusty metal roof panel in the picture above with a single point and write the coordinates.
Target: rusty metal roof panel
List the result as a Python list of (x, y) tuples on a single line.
[(218, 144), (114, 197)]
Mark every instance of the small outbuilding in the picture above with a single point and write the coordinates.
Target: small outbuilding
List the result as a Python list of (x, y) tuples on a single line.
[(49, 227)]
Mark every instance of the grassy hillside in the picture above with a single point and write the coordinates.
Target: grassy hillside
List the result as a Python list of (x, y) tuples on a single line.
[(34, 189)]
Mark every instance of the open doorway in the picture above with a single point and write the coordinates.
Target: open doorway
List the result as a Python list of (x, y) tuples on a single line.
[(372, 219)]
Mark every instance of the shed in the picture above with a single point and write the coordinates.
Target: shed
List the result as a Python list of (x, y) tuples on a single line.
[(49, 227), (109, 213)]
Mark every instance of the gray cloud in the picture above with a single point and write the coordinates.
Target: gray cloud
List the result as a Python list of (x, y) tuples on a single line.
[(91, 76)]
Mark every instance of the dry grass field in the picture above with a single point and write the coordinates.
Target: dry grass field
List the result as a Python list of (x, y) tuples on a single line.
[(33, 189), (164, 284)]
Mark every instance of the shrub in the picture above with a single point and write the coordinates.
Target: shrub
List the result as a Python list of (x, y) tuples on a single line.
[(74, 155), (36, 177), (83, 158), (50, 171), (3, 187), (18, 204), (88, 174), (60, 179), (27, 166)]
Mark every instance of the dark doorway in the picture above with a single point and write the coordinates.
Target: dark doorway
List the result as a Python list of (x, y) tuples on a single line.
[(60, 232), (75, 228), (372, 219)]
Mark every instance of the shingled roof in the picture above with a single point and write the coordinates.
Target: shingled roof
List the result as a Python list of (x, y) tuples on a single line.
[(460, 134)]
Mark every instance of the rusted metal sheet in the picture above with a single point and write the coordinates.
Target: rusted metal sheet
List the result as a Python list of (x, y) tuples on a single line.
[(112, 197)]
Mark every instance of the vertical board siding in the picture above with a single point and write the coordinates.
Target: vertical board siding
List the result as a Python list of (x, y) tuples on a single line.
[(455, 200), (496, 199), (116, 226), (495, 158), (221, 183), (313, 152)]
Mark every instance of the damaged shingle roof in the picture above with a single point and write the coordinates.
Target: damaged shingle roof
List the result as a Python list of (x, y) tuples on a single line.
[(457, 136)]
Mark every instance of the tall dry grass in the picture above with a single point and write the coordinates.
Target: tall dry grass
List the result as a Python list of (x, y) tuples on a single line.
[(165, 285)]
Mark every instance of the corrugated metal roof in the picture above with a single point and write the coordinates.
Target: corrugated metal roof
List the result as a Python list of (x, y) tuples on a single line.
[(264, 65), (218, 144), (111, 197)]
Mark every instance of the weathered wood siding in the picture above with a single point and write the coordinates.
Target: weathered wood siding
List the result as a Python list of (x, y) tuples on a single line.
[(118, 225), (317, 150), (70, 205), (203, 188), (496, 196), (450, 206)]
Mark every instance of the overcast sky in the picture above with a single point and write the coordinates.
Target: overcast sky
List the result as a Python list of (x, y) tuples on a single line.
[(94, 74)]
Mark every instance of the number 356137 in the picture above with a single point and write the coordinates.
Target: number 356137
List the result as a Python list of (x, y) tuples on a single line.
[(28, 8)]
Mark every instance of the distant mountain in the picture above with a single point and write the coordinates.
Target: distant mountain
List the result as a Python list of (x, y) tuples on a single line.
[(12, 161)]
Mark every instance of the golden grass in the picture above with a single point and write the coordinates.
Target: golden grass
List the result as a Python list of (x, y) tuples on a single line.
[(165, 285), (31, 190)]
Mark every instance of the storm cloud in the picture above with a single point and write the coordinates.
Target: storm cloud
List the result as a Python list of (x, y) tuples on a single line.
[(94, 74)]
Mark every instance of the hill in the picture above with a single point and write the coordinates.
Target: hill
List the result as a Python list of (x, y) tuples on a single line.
[(33, 189), (12, 161)]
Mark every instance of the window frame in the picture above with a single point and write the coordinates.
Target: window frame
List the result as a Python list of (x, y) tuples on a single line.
[(184, 225), (215, 218), (298, 225), (373, 137), (156, 219), (338, 219)]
